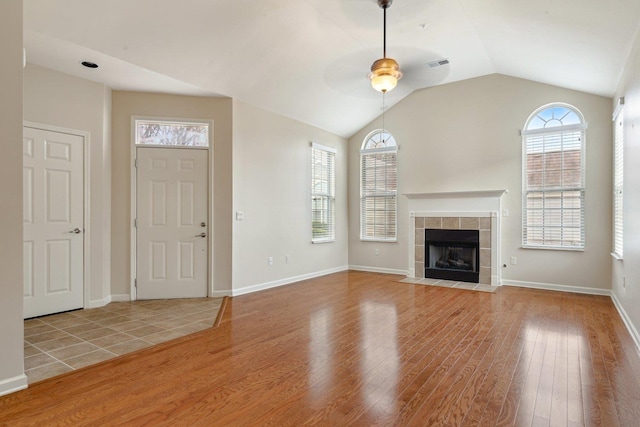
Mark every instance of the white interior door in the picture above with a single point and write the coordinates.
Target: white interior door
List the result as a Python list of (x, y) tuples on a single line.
[(172, 215), (53, 221)]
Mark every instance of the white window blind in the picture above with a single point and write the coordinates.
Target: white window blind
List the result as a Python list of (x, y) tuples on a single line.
[(554, 179), (618, 181), (378, 188), (323, 187)]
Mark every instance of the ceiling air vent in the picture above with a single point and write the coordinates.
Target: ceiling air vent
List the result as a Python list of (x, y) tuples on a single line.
[(439, 62)]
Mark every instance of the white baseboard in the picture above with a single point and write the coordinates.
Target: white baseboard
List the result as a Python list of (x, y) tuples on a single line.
[(120, 298), (379, 270), (220, 294), (288, 280), (554, 287), (99, 302), (627, 320), (11, 385)]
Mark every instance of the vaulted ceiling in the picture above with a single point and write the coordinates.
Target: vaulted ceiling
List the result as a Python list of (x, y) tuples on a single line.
[(308, 59)]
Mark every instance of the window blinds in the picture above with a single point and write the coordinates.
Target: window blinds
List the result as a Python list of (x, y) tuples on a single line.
[(618, 182), (553, 202), (378, 188), (323, 177)]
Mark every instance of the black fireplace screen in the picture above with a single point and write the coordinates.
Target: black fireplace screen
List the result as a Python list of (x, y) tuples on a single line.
[(452, 255)]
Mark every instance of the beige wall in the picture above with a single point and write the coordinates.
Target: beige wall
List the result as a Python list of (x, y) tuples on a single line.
[(128, 104), (11, 326), (57, 99), (465, 136), (629, 268), (271, 185)]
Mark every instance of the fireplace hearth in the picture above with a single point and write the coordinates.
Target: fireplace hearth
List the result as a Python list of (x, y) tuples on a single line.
[(452, 254)]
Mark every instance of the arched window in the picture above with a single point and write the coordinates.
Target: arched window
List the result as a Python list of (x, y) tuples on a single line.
[(378, 187), (553, 145)]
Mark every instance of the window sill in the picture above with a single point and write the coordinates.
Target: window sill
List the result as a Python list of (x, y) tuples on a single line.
[(616, 256), (380, 240), (323, 241), (553, 248)]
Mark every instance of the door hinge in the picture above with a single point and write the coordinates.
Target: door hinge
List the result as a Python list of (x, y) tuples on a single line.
[(136, 163), (135, 223), (135, 283)]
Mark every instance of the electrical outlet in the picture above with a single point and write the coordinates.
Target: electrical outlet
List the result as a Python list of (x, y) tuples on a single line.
[(377, 252), (505, 212), (270, 260), (514, 260)]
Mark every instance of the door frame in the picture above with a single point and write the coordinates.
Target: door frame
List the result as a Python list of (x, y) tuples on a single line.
[(86, 184), (134, 197)]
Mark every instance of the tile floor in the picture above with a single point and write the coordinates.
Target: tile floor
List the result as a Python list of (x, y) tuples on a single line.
[(63, 342), (450, 284)]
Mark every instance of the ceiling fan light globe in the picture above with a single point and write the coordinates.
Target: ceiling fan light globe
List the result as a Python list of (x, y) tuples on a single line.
[(384, 83), (385, 74)]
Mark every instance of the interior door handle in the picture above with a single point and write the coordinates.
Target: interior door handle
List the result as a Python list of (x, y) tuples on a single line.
[(76, 231), (203, 234)]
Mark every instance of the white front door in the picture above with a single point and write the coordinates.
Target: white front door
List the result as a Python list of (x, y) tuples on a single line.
[(53, 221), (172, 215)]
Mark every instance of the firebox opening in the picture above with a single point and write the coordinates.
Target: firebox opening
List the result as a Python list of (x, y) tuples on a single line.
[(452, 255)]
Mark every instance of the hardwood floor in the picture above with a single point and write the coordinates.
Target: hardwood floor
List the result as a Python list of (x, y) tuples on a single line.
[(362, 349)]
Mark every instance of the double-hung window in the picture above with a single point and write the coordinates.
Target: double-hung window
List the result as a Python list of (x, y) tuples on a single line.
[(554, 178), (378, 187), (323, 193), (618, 179)]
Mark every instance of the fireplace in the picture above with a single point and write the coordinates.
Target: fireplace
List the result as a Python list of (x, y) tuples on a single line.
[(452, 254), (462, 210)]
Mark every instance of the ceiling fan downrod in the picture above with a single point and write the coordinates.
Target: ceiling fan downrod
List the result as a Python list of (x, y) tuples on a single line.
[(385, 72), (384, 4)]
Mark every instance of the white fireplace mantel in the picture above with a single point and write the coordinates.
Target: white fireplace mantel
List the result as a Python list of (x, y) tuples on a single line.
[(455, 194)]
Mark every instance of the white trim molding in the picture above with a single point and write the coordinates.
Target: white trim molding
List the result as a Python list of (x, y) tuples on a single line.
[(378, 270), (626, 320), (120, 298), (555, 287), (220, 294), (11, 385), (281, 282), (456, 194), (96, 303)]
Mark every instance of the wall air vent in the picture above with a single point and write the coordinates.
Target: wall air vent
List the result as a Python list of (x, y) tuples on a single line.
[(439, 62)]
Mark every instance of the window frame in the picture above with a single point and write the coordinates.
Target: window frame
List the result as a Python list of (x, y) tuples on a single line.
[(618, 181), (560, 132), (385, 193), (329, 196)]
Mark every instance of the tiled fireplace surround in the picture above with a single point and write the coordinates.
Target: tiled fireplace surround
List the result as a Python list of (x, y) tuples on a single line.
[(473, 210), (454, 223)]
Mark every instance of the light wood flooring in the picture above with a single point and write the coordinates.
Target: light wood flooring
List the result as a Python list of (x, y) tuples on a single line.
[(362, 349)]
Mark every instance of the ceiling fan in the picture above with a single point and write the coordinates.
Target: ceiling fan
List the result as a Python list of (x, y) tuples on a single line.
[(419, 68), (385, 72)]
